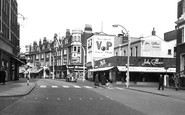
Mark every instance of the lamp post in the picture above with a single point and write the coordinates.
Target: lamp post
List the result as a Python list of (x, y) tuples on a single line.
[(128, 53), (83, 63)]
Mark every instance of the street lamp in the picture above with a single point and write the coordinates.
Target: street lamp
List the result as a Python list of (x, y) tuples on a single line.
[(83, 64), (128, 53)]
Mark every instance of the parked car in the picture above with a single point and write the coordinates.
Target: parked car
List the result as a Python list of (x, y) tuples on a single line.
[(71, 78)]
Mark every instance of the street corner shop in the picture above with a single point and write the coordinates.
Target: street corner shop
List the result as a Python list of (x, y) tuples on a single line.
[(142, 69)]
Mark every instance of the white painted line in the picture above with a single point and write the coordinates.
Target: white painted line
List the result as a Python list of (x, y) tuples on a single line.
[(120, 88), (47, 98), (58, 98), (75, 86), (80, 98), (69, 98), (65, 86), (54, 86), (88, 87), (90, 98), (42, 86), (101, 98)]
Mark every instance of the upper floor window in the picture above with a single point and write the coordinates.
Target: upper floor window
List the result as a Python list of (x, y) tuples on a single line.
[(74, 48), (136, 51), (116, 53), (37, 56), (169, 51), (65, 51), (131, 50), (124, 53)]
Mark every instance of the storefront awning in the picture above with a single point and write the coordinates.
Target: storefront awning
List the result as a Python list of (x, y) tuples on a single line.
[(101, 69), (147, 69), (18, 60)]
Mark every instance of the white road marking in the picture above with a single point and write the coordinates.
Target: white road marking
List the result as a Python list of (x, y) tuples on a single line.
[(120, 88), (75, 86), (58, 98), (80, 98), (90, 98), (47, 98), (69, 98), (88, 87), (101, 98), (42, 86), (54, 86), (65, 86)]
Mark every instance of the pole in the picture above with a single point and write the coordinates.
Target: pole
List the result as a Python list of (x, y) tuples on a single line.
[(128, 62), (83, 63)]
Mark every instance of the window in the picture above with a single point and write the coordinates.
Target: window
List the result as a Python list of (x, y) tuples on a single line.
[(37, 56), (116, 53), (136, 51), (65, 51), (183, 35), (124, 53), (169, 51), (42, 56), (131, 51), (74, 48), (78, 50)]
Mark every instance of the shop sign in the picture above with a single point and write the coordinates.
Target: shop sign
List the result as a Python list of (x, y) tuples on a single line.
[(152, 62), (103, 46)]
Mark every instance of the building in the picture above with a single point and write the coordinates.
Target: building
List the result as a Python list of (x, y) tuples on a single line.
[(151, 46), (9, 38), (62, 55), (149, 57), (180, 49)]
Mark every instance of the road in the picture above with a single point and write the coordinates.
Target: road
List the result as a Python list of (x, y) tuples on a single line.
[(53, 97)]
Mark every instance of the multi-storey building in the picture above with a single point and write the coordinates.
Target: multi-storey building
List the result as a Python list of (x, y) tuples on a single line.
[(60, 55), (180, 49), (9, 38)]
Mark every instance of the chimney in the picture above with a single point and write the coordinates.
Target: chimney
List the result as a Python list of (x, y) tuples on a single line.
[(153, 32), (88, 28)]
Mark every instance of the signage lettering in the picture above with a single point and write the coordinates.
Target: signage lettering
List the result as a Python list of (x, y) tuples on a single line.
[(103, 48), (152, 62)]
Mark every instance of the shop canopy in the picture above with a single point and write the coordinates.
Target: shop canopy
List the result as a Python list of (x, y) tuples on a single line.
[(147, 69), (101, 69)]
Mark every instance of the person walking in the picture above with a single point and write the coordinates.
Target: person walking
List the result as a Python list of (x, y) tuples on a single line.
[(103, 80), (96, 81), (161, 83), (176, 82), (3, 76)]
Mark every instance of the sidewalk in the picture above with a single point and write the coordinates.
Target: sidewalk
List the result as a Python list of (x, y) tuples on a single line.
[(17, 88), (168, 92)]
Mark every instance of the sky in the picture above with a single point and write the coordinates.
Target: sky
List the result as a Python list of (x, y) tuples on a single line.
[(43, 18)]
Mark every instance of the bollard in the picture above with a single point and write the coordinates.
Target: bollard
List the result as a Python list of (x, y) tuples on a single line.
[(28, 81)]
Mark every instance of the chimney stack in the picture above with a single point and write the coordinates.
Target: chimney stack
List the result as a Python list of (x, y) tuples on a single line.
[(153, 32)]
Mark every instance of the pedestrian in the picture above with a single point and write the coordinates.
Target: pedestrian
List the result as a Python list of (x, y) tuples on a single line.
[(3, 76), (96, 81), (103, 80), (161, 83), (176, 82)]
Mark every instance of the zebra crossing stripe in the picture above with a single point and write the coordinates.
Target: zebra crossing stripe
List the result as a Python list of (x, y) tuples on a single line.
[(42, 86), (88, 87), (119, 88), (76, 86), (54, 86), (65, 86)]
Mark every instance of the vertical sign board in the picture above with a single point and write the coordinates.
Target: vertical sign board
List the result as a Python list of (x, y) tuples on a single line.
[(103, 46)]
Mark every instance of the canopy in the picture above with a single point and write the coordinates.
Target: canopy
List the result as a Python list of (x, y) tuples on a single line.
[(101, 69)]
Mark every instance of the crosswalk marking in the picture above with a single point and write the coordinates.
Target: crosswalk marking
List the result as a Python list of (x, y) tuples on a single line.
[(42, 86), (54, 86), (88, 87), (65, 86), (76, 86)]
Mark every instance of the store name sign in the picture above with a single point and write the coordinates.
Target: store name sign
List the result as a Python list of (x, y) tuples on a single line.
[(152, 62)]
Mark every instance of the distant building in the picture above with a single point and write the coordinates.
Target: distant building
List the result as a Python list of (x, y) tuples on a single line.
[(151, 46)]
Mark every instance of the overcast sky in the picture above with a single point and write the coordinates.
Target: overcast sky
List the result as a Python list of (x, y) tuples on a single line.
[(46, 17)]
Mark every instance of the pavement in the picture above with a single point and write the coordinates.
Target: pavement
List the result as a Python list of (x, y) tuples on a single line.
[(17, 88), (20, 88)]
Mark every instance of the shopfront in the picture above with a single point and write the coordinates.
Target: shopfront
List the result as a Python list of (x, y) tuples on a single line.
[(142, 69)]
